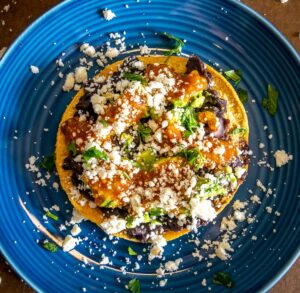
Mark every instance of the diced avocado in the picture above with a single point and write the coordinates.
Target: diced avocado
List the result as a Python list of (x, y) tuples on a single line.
[(180, 103), (127, 139), (155, 222), (198, 100), (228, 169), (210, 189), (145, 160), (147, 218)]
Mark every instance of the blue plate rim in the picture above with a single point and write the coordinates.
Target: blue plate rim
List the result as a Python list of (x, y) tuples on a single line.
[(288, 264)]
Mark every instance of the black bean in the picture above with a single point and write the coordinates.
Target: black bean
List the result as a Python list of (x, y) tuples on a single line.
[(142, 232), (70, 164), (122, 213), (194, 63)]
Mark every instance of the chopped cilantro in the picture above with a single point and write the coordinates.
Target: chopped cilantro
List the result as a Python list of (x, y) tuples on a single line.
[(133, 76), (223, 278), (156, 212), (144, 132), (48, 163), (104, 122), (243, 95), (193, 156), (189, 120), (131, 251), (51, 215), (270, 103), (178, 45), (238, 130), (129, 221), (72, 148), (107, 203), (52, 247), (234, 75), (126, 175), (93, 152), (134, 286)]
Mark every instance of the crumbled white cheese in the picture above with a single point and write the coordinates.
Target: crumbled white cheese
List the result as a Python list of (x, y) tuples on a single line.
[(255, 199), (69, 82), (172, 266), (34, 69), (260, 185), (87, 49), (269, 210), (81, 74), (158, 242), (162, 283), (227, 224), (112, 53), (222, 250), (76, 217), (113, 225), (144, 50), (282, 158), (239, 216), (69, 243), (202, 209), (75, 230), (108, 14)]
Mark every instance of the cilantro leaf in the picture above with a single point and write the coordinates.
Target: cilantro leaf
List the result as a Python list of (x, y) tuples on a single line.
[(134, 286), (234, 75), (223, 278), (129, 221), (52, 247), (189, 120), (48, 163), (238, 130), (243, 95), (270, 103), (107, 203), (156, 212), (131, 251), (125, 174), (193, 156), (72, 148), (104, 122), (51, 215), (144, 132), (93, 152), (178, 45), (133, 76)]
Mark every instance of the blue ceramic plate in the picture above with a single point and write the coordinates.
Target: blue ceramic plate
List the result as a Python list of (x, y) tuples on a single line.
[(225, 34)]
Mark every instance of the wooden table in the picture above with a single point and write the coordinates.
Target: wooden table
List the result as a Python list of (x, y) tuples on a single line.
[(286, 17)]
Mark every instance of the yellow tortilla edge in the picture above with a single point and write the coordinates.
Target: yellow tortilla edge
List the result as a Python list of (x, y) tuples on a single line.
[(178, 63)]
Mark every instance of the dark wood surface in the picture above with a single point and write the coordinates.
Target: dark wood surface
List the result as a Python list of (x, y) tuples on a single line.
[(286, 17)]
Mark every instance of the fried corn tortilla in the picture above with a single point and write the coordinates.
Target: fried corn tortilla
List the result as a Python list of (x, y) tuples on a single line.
[(235, 113)]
